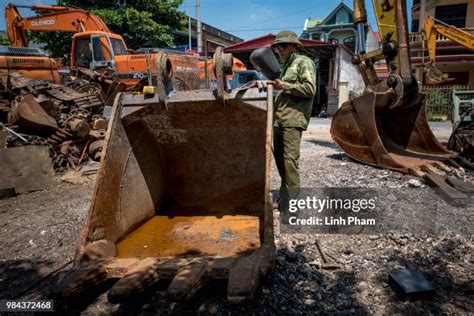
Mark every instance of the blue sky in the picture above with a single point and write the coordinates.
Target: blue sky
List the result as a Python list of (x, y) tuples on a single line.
[(25, 12), (253, 18), (246, 19)]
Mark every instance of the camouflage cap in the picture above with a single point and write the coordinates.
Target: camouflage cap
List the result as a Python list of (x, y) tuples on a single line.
[(286, 37)]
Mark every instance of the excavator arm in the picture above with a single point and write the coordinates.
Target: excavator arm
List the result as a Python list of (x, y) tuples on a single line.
[(387, 126), (431, 29), (63, 19), (391, 18)]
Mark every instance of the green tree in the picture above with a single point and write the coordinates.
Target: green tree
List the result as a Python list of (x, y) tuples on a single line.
[(57, 44), (4, 41), (140, 22)]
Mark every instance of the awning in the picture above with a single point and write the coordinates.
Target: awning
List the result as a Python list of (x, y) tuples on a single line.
[(311, 48)]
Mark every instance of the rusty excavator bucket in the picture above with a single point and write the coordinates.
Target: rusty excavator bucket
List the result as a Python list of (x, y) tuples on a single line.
[(399, 138), (387, 125), (435, 76), (182, 194)]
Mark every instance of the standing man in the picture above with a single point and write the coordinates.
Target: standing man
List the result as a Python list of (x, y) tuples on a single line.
[(297, 88)]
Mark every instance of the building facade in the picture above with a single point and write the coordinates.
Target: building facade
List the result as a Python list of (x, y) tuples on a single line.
[(212, 38), (344, 78), (337, 27), (451, 58)]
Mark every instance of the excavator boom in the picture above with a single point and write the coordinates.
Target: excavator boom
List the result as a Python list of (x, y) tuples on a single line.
[(96, 48), (432, 28), (63, 19)]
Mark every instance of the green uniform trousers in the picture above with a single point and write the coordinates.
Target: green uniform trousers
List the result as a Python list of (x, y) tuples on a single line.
[(286, 149)]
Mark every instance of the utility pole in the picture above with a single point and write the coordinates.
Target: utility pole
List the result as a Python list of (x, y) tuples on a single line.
[(199, 26), (422, 16), (190, 41)]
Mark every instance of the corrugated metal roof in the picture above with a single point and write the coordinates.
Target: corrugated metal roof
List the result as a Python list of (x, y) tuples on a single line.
[(266, 41)]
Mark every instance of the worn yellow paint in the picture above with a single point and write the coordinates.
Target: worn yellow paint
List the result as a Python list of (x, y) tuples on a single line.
[(197, 235)]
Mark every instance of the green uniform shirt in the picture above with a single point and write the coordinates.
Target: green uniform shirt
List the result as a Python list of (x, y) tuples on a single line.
[(294, 102)]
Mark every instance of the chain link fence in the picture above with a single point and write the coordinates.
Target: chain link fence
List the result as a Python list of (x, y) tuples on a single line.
[(439, 101), (192, 73)]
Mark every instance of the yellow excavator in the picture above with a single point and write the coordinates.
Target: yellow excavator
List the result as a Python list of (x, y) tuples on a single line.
[(387, 126), (462, 138), (432, 28)]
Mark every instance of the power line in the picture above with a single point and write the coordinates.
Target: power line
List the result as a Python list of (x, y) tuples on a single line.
[(278, 17), (266, 29)]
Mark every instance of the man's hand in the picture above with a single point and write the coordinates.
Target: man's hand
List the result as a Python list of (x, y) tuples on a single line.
[(261, 84), (278, 84)]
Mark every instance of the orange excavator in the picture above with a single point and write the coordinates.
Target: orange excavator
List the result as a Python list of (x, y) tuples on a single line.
[(94, 46), (30, 62)]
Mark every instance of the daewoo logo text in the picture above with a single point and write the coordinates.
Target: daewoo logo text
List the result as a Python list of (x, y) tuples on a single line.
[(42, 22)]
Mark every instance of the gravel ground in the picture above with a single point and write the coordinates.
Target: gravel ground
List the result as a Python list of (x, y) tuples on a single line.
[(38, 235)]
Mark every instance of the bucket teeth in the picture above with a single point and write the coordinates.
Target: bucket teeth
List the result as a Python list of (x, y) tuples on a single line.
[(450, 193), (187, 275), (187, 281), (465, 163), (442, 166), (97, 250), (80, 280), (461, 185), (416, 172), (243, 278), (432, 169), (141, 278)]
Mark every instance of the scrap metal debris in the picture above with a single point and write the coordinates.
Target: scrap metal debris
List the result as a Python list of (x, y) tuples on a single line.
[(65, 117), (327, 264), (410, 285)]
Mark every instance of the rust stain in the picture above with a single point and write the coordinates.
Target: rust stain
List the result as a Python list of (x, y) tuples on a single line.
[(192, 235)]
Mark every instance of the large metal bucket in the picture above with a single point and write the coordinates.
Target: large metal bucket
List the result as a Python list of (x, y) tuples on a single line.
[(399, 139), (182, 193)]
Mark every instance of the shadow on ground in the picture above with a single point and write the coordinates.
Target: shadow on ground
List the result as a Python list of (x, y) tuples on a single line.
[(293, 288), (324, 143), (451, 291), (21, 277)]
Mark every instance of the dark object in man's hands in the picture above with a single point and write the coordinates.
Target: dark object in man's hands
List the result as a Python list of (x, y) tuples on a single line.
[(265, 61)]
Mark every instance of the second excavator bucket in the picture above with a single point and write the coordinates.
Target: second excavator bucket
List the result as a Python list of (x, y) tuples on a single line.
[(399, 138), (182, 194), (435, 76)]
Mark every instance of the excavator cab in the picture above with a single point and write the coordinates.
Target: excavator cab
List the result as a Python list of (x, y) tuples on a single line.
[(102, 52), (96, 50)]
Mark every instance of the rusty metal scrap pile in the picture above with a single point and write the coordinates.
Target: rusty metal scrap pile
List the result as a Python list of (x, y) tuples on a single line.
[(65, 117)]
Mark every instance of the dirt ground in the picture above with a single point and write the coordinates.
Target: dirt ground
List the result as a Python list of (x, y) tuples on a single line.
[(39, 230)]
